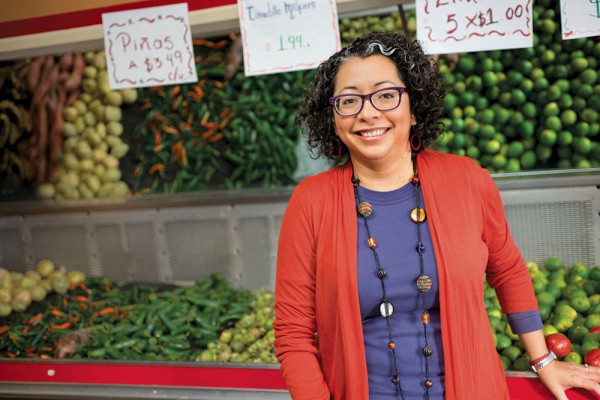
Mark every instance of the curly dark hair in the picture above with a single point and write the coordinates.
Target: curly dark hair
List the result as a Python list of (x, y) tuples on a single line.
[(418, 71)]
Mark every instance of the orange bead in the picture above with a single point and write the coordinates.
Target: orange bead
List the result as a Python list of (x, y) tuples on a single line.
[(392, 345), (425, 318), (372, 242)]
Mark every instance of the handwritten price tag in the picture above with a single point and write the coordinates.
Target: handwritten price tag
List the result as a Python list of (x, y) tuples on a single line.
[(456, 26), (149, 47), (580, 18), (280, 36)]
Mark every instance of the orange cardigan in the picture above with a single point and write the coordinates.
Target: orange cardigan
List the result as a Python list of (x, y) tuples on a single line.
[(316, 287)]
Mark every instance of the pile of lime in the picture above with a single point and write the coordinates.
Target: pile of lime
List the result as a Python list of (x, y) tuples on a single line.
[(569, 303), (530, 108)]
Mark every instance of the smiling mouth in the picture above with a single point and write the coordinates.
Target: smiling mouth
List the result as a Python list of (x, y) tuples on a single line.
[(372, 133)]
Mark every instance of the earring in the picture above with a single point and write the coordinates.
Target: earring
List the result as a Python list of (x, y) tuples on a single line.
[(415, 146)]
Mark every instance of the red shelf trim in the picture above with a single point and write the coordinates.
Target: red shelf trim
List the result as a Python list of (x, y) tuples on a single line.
[(201, 376), (142, 375), (78, 19)]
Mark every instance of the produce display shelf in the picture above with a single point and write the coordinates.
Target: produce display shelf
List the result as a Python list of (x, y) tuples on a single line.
[(70, 379)]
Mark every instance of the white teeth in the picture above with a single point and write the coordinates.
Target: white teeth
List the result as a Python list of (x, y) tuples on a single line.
[(374, 133)]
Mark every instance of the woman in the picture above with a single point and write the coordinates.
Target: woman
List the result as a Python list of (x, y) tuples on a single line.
[(381, 260)]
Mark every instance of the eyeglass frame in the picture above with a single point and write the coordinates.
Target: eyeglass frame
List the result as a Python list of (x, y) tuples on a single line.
[(368, 96)]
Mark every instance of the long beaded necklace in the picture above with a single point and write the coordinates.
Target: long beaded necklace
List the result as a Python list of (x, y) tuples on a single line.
[(423, 282)]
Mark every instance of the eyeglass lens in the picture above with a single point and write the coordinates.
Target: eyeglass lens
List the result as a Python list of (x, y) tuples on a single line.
[(382, 100)]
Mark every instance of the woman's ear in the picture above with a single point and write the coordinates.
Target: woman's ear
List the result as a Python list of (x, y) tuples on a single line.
[(413, 120)]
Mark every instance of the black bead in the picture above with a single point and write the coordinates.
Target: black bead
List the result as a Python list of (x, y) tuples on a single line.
[(420, 248), (427, 351), (381, 273), (395, 379)]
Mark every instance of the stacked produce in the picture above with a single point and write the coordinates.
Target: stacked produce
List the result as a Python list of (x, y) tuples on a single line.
[(569, 302), (532, 108), (98, 319), (250, 340), (88, 165), (18, 290), (224, 131)]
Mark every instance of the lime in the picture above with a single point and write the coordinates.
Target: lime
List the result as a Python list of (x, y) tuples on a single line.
[(589, 345), (474, 83), (502, 341), (527, 129), (582, 164), (540, 83), (569, 117), (562, 322), (546, 298), (486, 116), (547, 137), (528, 160), (543, 152), (501, 115), (492, 147), (511, 352), (565, 138), (589, 76), (515, 149), (551, 109), (577, 332), (481, 103), (456, 112), (450, 101), (573, 357), (521, 364), (589, 115), (595, 274), (564, 309), (489, 79), (585, 91), (579, 64), (525, 66), (545, 311), (473, 152), (458, 141), (518, 97), (469, 111), (548, 26), (581, 303), (537, 73), (553, 264), (553, 123), (581, 129), (549, 329), (466, 64), (548, 56), (563, 84), (554, 92), (582, 145), (591, 288), (553, 289), (499, 161), (578, 269), (506, 364), (508, 331), (592, 320), (566, 101), (579, 104)]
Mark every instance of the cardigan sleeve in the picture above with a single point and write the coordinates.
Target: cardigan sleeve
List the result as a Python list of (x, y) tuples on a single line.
[(295, 316), (506, 271)]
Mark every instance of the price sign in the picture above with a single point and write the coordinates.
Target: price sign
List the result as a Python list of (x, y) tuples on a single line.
[(280, 36), (580, 18), (149, 47), (456, 26)]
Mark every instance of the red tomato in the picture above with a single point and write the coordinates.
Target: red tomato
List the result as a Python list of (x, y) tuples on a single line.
[(595, 329), (592, 357), (559, 344)]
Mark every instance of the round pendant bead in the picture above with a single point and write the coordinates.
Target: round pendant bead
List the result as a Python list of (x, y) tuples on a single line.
[(425, 318), (372, 242), (427, 351), (395, 379), (365, 208), (415, 180), (392, 345), (386, 309), (418, 215), (381, 273), (424, 283), (428, 383)]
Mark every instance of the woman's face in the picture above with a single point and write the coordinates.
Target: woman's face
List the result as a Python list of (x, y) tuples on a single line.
[(373, 136)]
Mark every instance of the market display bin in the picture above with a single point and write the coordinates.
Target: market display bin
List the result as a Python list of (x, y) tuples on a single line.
[(161, 380)]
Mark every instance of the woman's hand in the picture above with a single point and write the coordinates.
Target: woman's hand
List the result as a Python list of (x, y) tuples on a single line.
[(559, 376)]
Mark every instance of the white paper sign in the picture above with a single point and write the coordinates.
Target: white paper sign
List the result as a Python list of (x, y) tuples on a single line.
[(580, 18), (280, 36), (451, 26), (149, 47)]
